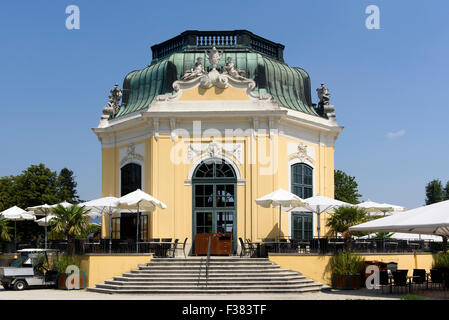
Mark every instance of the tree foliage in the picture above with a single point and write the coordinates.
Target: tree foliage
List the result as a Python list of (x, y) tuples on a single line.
[(446, 191), (35, 186), (434, 192), (67, 186), (346, 188), (5, 234)]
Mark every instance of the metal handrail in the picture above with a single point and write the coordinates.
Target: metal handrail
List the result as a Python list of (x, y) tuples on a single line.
[(207, 260)]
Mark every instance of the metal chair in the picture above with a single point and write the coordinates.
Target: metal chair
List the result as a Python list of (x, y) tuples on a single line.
[(172, 249), (245, 249), (400, 279), (436, 277), (419, 277)]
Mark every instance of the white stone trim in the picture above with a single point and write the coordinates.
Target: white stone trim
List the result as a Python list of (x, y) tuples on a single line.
[(125, 159), (194, 165)]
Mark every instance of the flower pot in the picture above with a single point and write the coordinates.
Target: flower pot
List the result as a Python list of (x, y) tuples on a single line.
[(62, 281), (347, 281)]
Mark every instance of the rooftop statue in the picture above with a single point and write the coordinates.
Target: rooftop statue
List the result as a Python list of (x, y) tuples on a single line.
[(113, 104), (232, 71), (195, 72), (324, 106), (214, 57), (323, 95)]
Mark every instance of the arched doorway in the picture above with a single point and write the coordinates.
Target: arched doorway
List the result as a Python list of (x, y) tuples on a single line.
[(124, 227), (214, 199)]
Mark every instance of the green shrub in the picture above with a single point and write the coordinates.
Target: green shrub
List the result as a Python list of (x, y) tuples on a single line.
[(62, 262), (441, 260), (346, 263)]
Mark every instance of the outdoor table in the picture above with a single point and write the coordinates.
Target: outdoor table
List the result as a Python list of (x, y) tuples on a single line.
[(161, 248), (261, 247)]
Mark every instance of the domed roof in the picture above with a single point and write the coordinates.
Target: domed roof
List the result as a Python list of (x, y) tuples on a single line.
[(261, 59)]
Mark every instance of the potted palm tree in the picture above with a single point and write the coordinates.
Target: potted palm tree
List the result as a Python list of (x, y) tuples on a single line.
[(347, 269), (70, 222), (342, 219)]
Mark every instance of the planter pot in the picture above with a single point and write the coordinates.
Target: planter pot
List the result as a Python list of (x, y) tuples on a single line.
[(347, 281), (62, 281)]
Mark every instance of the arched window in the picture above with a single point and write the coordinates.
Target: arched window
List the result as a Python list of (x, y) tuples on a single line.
[(131, 178), (302, 180)]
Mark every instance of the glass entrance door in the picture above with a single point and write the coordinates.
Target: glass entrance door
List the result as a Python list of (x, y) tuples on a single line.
[(214, 202)]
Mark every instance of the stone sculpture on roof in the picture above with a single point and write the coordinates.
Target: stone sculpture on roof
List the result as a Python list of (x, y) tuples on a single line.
[(195, 71), (232, 71), (214, 57), (113, 104)]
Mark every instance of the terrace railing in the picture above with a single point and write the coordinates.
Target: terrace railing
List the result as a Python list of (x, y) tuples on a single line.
[(197, 41)]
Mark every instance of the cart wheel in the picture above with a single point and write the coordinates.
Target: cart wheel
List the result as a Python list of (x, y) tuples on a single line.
[(19, 285)]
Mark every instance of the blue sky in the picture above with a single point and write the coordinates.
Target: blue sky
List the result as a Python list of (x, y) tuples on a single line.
[(389, 86)]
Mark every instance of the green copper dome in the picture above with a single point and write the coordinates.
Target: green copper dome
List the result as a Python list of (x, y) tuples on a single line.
[(261, 59)]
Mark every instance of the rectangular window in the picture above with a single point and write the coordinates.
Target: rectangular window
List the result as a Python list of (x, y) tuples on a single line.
[(302, 225)]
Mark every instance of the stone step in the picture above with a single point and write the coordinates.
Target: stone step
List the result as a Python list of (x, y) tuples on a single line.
[(215, 279), (212, 258), (203, 264), (226, 275), (211, 267), (208, 286), (209, 283), (229, 273), (309, 288)]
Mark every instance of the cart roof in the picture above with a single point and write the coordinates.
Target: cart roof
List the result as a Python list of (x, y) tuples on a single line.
[(36, 250)]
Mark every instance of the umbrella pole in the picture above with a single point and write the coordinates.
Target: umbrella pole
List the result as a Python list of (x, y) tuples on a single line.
[(137, 239), (110, 230), (45, 231), (279, 234), (15, 235)]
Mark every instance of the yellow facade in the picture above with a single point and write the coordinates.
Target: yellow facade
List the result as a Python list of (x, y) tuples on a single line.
[(263, 169), (99, 268)]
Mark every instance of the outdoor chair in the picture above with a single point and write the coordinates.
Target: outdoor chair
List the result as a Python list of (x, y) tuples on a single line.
[(419, 278), (245, 249), (183, 246), (436, 278), (384, 280), (400, 279), (172, 250), (166, 239)]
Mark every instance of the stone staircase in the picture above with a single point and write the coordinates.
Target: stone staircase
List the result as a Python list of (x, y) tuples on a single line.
[(226, 275)]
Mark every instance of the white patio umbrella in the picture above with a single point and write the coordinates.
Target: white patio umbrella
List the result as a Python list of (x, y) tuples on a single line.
[(432, 219), (280, 198), (45, 210), (140, 201), (376, 207), (16, 214), (102, 205), (319, 204)]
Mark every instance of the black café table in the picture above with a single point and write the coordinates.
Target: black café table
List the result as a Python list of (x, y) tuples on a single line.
[(161, 247)]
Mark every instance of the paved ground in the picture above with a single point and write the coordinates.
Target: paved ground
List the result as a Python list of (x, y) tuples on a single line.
[(52, 294)]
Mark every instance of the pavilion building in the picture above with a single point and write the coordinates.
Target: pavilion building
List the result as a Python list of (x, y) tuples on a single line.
[(217, 120)]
